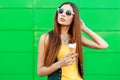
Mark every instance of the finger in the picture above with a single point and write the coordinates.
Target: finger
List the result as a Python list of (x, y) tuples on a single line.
[(72, 56), (71, 62), (68, 60), (72, 53), (67, 56)]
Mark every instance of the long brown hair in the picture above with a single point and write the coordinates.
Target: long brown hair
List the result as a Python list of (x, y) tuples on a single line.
[(54, 41)]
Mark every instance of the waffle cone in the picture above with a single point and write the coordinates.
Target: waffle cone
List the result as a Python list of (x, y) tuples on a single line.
[(72, 49)]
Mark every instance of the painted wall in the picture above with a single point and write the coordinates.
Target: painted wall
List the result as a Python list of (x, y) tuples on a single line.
[(23, 21)]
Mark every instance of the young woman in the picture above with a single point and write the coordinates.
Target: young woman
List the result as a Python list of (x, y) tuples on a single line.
[(54, 57)]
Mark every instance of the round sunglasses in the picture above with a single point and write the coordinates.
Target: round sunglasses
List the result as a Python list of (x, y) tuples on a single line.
[(68, 12)]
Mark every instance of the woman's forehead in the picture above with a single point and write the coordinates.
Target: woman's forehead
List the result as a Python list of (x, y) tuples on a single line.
[(67, 6)]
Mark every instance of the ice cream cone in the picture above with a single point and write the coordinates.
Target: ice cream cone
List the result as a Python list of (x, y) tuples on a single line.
[(72, 47), (72, 50)]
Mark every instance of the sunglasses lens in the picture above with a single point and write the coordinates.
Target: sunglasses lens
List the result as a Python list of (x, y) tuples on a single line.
[(60, 10), (68, 12)]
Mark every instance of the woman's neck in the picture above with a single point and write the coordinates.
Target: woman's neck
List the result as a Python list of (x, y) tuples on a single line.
[(64, 30), (64, 34)]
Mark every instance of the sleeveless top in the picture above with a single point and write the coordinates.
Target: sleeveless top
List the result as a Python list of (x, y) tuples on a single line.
[(70, 72)]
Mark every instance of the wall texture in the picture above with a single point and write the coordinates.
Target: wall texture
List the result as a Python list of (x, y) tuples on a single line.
[(23, 21)]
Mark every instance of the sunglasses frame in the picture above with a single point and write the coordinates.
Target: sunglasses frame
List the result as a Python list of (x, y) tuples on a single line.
[(71, 12)]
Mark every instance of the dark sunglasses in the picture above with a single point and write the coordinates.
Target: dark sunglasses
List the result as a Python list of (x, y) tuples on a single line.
[(68, 12)]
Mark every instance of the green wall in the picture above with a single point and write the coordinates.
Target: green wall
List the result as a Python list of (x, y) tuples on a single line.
[(23, 21)]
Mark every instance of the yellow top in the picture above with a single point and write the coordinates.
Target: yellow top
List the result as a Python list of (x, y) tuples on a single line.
[(68, 72)]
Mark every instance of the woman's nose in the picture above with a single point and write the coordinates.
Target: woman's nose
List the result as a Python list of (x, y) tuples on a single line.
[(63, 14)]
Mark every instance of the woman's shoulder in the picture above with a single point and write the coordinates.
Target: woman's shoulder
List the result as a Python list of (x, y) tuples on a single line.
[(44, 36)]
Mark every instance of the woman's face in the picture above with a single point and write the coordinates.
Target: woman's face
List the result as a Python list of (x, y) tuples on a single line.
[(65, 15)]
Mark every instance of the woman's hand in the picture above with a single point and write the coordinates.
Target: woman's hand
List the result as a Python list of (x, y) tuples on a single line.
[(68, 59), (97, 41), (83, 26)]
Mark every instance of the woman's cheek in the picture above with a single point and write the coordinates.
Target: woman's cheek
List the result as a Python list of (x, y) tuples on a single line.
[(69, 21)]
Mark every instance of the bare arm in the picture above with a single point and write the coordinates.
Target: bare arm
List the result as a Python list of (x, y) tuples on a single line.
[(43, 70), (97, 41)]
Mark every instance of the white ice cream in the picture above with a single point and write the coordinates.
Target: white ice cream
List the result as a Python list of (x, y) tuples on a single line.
[(72, 45)]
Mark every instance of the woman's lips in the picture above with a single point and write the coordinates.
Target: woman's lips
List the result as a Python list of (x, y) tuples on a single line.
[(62, 19)]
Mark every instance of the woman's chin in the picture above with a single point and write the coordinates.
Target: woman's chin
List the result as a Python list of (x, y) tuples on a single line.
[(62, 23)]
